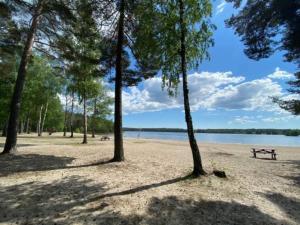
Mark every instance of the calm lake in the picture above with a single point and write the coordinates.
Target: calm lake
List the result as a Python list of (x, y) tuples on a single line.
[(266, 140)]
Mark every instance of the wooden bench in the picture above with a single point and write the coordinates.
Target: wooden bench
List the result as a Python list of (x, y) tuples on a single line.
[(264, 151), (105, 138)]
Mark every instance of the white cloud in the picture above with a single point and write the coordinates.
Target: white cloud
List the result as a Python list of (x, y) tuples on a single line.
[(221, 7), (209, 91), (250, 95), (274, 119), (201, 87), (280, 74), (243, 120)]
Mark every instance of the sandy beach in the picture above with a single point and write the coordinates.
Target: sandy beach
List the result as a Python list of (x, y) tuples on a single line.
[(56, 180)]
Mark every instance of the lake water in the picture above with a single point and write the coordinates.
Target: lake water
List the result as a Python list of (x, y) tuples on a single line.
[(255, 139)]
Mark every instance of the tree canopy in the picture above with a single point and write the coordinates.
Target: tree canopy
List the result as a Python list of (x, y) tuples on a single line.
[(267, 26)]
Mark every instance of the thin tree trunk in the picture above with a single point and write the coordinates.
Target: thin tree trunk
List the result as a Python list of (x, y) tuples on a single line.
[(94, 118), (44, 118), (71, 117), (40, 121), (20, 126), (4, 129), (11, 139), (198, 168), (27, 124), (118, 139), (84, 120), (65, 122)]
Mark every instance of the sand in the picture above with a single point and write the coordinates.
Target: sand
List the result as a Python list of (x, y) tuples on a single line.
[(56, 180)]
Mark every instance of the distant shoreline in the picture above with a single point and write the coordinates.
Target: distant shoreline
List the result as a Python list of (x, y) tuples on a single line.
[(287, 132)]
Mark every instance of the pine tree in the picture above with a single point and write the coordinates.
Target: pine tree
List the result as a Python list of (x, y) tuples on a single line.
[(44, 19)]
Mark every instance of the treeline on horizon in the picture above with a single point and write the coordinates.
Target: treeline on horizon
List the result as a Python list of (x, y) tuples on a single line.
[(287, 132)]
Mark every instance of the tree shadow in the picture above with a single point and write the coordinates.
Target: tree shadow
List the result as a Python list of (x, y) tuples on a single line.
[(172, 210), (295, 176), (19, 145), (143, 188), (290, 205), (71, 200), (44, 203), (11, 164)]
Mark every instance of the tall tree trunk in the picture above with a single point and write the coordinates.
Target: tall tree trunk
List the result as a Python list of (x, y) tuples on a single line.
[(84, 120), (28, 124), (118, 139), (40, 121), (94, 118), (71, 117), (11, 139), (44, 118), (20, 126), (4, 129), (198, 168), (65, 122)]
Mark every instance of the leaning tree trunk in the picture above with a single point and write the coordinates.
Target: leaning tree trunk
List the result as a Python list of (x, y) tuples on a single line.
[(44, 118), (198, 168), (65, 122), (11, 139), (84, 120), (71, 117), (94, 118), (118, 139), (38, 129)]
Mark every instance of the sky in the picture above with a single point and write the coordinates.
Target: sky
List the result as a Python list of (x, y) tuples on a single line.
[(229, 91)]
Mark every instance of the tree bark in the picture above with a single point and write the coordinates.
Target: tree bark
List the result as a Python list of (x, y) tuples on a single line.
[(20, 126), (28, 124), (84, 120), (94, 118), (71, 117), (198, 168), (118, 139), (65, 122), (11, 139), (40, 121), (44, 118)]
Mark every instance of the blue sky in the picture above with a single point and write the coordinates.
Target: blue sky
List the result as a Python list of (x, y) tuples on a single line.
[(229, 91)]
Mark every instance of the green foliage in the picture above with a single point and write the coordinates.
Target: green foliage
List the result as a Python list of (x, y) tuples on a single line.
[(55, 115), (101, 125), (266, 26), (162, 24), (7, 80)]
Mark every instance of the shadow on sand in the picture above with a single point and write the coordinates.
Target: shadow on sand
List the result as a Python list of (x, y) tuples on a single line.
[(295, 175), (76, 200), (11, 164)]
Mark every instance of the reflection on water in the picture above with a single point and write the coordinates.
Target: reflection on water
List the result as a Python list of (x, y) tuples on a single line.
[(256, 139)]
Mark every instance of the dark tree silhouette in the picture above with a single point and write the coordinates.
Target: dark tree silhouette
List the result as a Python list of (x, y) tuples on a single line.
[(267, 26)]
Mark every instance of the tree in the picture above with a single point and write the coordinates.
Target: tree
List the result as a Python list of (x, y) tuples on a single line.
[(40, 89), (45, 15), (267, 26), (80, 46), (100, 106), (183, 36), (123, 19)]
